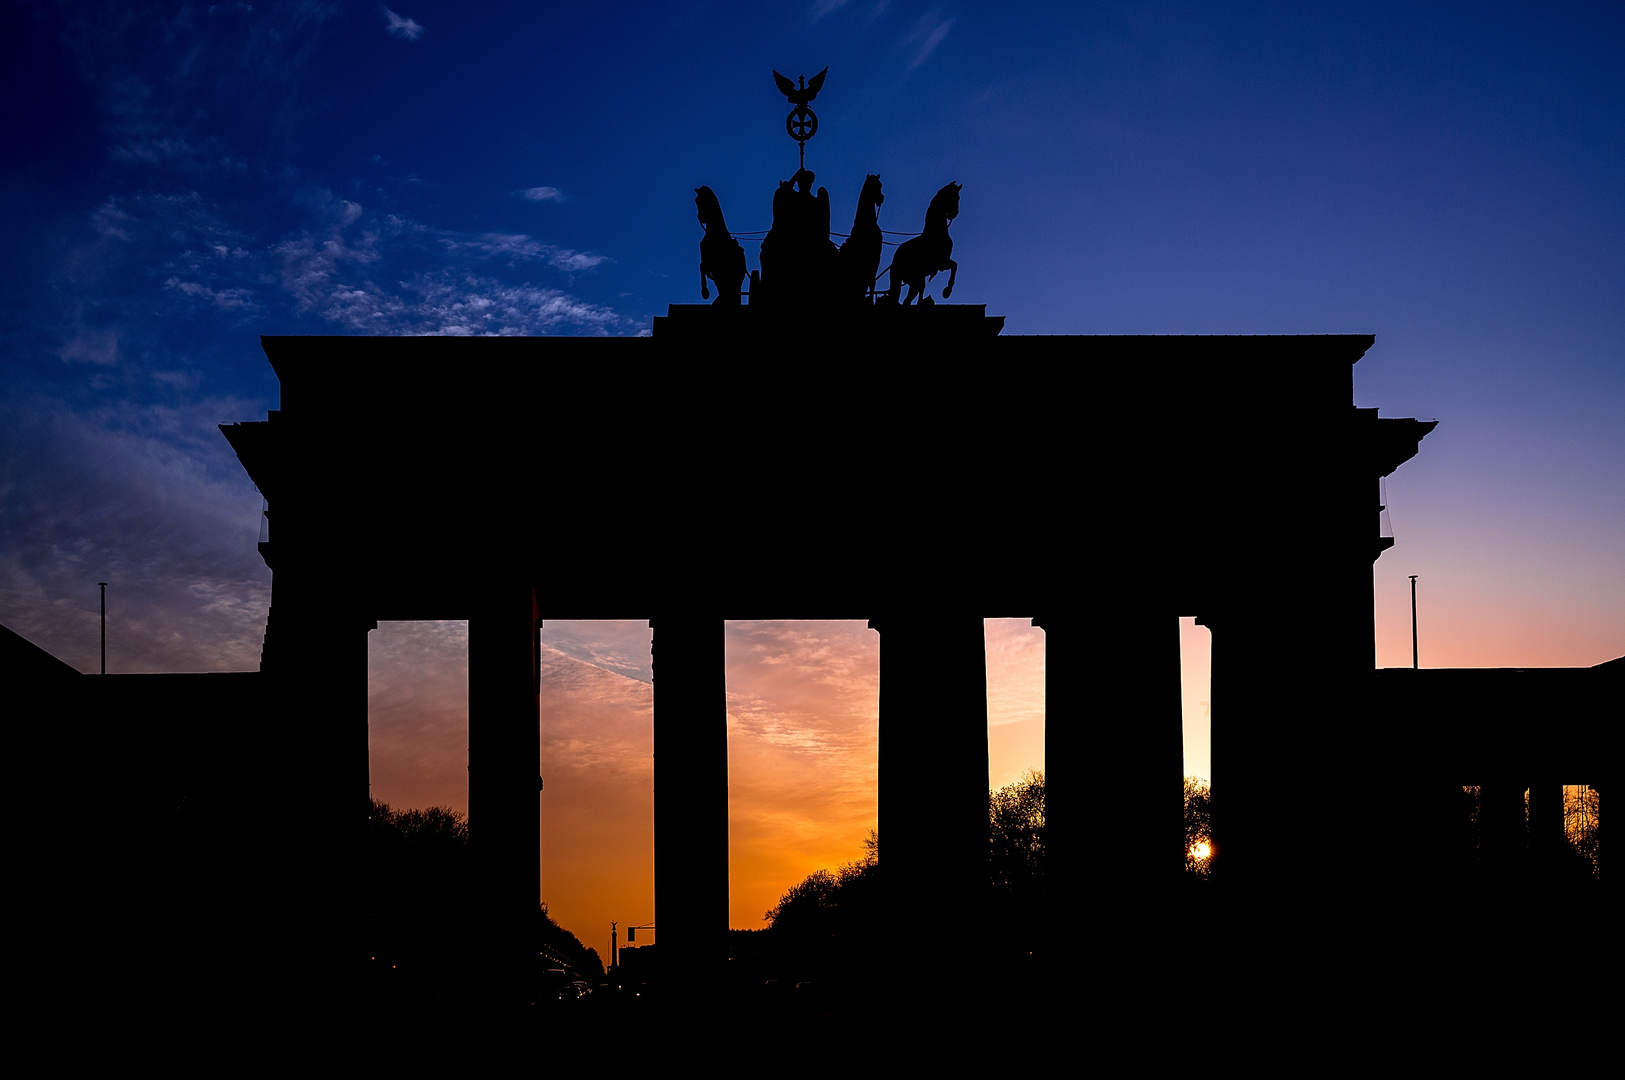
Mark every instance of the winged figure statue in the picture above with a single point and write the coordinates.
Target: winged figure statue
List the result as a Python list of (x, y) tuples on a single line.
[(799, 97)]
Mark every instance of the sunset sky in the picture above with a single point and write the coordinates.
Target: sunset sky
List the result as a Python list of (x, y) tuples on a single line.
[(177, 179), (802, 723)]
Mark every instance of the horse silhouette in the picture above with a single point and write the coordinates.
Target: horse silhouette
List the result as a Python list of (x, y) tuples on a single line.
[(927, 254), (721, 258), (859, 260)]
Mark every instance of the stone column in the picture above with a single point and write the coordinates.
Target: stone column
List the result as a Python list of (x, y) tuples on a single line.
[(933, 784), (1285, 706), (1239, 747), (1546, 838), (504, 754), (309, 896), (1064, 793), (691, 804), (1118, 682), (1502, 827), (1114, 754)]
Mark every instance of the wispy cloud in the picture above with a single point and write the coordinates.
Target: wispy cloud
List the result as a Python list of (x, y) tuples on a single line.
[(152, 68), (574, 262), (598, 694), (803, 700), (597, 758), (401, 27), (391, 275), (366, 272), (481, 306), (618, 646), (1015, 672), (806, 687), (91, 347), (180, 242), (227, 299), (926, 35), (433, 303), (518, 247), (148, 498), (138, 260), (544, 194), (417, 713), (822, 8), (309, 267), (111, 221)]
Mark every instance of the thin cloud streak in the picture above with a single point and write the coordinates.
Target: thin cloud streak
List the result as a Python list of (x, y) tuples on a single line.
[(518, 247), (621, 647), (821, 8), (927, 35), (401, 27)]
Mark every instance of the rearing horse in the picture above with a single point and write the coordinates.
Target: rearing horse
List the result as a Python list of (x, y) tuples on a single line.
[(859, 260), (721, 258), (926, 254)]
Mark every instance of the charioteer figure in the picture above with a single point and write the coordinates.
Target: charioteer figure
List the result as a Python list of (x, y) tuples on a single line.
[(798, 259)]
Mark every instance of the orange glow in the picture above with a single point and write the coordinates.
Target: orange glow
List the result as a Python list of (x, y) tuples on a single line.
[(1015, 700), (1200, 850), (803, 723), (803, 716), (1195, 677), (598, 762)]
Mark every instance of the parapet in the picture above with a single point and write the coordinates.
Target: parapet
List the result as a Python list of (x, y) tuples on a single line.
[(859, 323)]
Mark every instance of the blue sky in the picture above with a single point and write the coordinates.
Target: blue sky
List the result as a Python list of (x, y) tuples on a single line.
[(179, 179)]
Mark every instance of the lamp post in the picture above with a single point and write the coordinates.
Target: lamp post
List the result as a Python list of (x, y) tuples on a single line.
[(1414, 663)]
